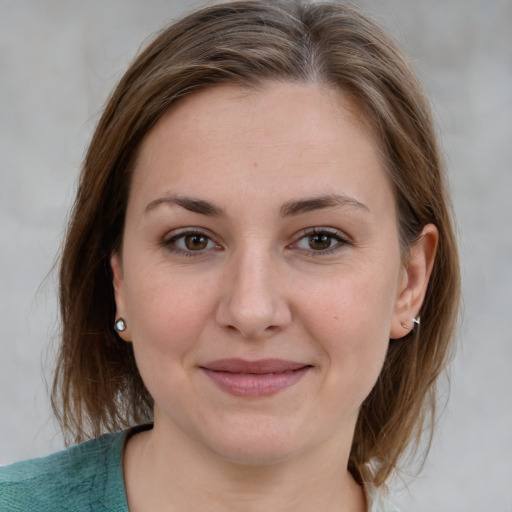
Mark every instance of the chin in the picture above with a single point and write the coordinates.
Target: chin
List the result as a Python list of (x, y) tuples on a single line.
[(260, 443), (256, 453)]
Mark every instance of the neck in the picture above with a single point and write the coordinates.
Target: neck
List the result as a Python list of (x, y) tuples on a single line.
[(170, 474)]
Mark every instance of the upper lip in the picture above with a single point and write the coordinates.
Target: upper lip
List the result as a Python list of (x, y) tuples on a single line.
[(258, 367)]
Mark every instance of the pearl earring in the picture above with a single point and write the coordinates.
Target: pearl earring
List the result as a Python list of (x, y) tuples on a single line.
[(120, 325)]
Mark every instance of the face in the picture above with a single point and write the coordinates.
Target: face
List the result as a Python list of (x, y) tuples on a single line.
[(260, 274)]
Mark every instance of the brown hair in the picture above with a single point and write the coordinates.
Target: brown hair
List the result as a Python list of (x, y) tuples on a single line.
[(97, 386)]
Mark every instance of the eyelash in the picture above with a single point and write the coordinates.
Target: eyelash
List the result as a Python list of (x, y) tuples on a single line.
[(170, 243), (340, 241)]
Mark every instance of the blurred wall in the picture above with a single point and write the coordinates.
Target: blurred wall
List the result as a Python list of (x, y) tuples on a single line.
[(58, 62)]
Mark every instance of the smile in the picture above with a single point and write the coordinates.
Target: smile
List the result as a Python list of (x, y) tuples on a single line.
[(254, 378)]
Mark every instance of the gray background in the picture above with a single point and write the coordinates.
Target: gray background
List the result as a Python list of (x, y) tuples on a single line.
[(58, 62)]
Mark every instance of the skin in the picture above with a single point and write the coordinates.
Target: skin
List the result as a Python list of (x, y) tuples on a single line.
[(258, 283)]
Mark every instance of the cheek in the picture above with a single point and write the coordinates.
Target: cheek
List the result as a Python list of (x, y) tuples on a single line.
[(168, 312), (352, 304), (350, 319)]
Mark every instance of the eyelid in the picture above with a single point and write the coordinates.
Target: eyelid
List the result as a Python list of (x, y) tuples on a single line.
[(342, 239), (170, 238)]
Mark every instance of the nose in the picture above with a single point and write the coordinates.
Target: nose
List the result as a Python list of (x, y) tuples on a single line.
[(253, 302)]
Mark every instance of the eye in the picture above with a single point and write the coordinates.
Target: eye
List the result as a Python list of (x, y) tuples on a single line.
[(190, 242), (321, 241)]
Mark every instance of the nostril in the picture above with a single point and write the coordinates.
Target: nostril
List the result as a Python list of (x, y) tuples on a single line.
[(269, 330)]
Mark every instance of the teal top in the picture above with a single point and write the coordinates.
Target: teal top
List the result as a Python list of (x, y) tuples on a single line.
[(86, 478)]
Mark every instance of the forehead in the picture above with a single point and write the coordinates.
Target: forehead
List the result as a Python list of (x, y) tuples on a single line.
[(283, 108), (282, 137)]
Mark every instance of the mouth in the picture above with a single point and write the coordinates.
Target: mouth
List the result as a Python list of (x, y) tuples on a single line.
[(260, 378)]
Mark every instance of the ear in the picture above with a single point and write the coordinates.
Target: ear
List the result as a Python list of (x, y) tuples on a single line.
[(119, 295), (413, 286)]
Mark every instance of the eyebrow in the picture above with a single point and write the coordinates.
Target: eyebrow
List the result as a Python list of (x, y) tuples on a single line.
[(189, 203), (320, 203), (289, 209)]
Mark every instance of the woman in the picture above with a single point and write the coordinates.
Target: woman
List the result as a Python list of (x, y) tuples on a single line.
[(260, 224)]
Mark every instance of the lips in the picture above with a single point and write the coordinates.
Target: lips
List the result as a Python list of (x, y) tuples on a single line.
[(260, 378)]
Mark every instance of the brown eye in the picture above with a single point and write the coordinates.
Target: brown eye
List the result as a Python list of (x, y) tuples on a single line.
[(195, 242), (191, 243), (320, 241)]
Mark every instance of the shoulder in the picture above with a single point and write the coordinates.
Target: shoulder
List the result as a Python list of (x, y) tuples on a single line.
[(87, 476)]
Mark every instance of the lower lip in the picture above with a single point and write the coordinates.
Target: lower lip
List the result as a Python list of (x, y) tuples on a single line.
[(255, 385)]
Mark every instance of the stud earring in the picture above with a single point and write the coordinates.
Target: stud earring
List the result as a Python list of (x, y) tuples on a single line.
[(415, 321), (120, 325)]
